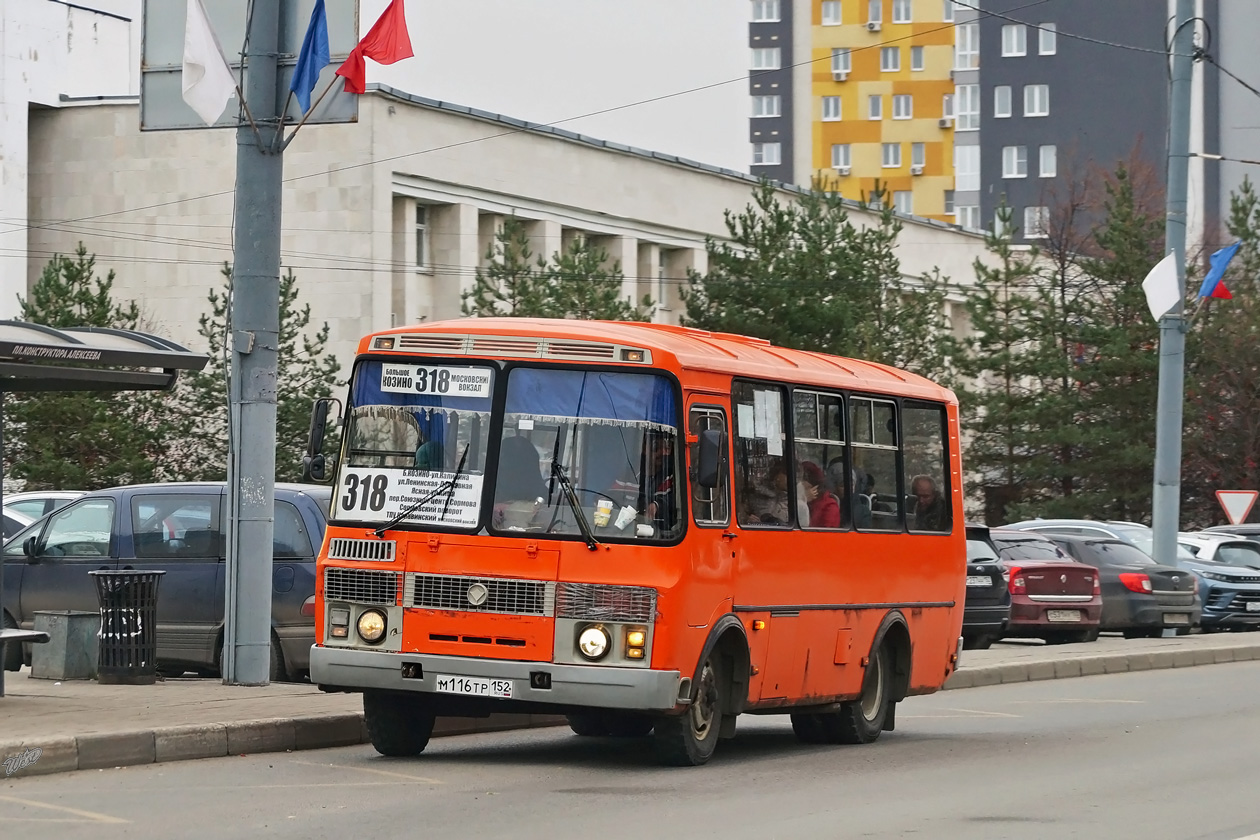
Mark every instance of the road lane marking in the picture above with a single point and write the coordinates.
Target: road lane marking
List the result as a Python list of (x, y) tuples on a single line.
[(969, 714), (1086, 700), (91, 816), (989, 714), (407, 776)]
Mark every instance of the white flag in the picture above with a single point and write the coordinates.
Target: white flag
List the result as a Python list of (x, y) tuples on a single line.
[(208, 81), (1163, 292)]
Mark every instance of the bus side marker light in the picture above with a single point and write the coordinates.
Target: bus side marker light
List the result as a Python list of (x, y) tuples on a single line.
[(759, 625)]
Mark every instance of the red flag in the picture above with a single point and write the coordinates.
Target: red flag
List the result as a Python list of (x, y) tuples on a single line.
[(1221, 292), (386, 42)]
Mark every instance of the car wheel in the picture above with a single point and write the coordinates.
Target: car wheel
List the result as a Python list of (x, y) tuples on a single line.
[(398, 725), (275, 670), (12, 650), (1143, 633), (689, 739)]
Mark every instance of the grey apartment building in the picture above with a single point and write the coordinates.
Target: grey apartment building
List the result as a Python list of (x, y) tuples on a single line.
[(770, 88)]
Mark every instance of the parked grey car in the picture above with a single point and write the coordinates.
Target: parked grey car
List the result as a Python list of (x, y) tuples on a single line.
[(176, 528)]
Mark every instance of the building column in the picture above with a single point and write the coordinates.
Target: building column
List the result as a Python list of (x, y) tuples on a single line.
[(545, 239), (649, 265), (14, 134), (678, 261), (454, 238), (403, 298), (625, 250)]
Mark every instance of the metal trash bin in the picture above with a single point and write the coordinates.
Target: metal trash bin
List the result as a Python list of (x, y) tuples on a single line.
[(128, 634)]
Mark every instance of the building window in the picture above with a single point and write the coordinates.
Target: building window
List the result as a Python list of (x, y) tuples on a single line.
[(875, 108), (948, 13), (1000, 223), (903, 106), (967, 169), (841, 156), (1049, 165), (831, 13), (1014, 161), (830, 108), (918, 154), (1048, 39), (947, 106), (966, 46), (967, 102), (766, 106), (875, 11), (949, 202), (1001, 101), (422, 236), (765, 58), (1036, 100), (890, 59), (1014, 40), (766, 154), (903, 202), (841, 61), (916, 58), (968, 216), (892, 155), (1036, 222), (765, 11), (903, 11)]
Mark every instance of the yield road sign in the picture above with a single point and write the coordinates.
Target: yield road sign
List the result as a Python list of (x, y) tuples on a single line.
[(1237, 504)]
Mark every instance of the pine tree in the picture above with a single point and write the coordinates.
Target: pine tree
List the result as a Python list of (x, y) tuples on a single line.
[(576, 283), (76, 440), (305, 371), (804, 275)]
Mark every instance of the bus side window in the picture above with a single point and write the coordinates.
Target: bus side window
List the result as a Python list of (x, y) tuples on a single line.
[(762, 473), (873, 430), (924, 433), (710, 505)]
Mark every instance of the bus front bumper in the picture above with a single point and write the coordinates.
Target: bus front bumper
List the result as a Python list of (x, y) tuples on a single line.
[(592, 686)]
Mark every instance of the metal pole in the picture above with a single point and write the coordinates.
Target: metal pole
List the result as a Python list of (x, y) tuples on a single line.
[(1166, 499), (2, 644), (254, 342)]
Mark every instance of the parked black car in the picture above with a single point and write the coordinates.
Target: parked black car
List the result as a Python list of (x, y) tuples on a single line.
[(176, 528), (1140, 597), (988, 607)]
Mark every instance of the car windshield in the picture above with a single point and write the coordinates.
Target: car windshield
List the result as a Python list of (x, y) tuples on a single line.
[(979, 551), (1239, 554), (1144, 538), (409, 429), (1120, 554), (611, 435)]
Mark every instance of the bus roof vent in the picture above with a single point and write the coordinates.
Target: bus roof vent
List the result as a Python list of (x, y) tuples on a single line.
[(581, 350), (492, 346), (449, 344)]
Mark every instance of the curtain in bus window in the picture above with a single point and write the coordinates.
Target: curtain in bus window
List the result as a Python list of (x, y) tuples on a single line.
[(564, 394)]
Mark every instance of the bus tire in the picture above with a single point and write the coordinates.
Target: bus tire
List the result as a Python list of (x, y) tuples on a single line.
[(588, 725), (398, 725), (860, 721), (689, 739), (809, 728), (628, 725)]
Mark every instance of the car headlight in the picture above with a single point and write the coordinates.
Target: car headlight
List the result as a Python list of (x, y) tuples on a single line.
[(1216, 576), (593, 642), (372, 626)]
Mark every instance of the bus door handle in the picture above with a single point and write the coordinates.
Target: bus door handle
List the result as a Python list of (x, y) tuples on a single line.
[(729, 535)]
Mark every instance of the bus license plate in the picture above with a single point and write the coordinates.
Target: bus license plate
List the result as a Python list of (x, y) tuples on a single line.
[(476, 686), (1063, 615), (979, 580), (1176, 618)]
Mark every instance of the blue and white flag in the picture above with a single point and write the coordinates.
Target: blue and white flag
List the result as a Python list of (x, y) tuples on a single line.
[(313, 58)]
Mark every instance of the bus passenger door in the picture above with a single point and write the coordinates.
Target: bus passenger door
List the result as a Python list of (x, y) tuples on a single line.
[(712, 553)]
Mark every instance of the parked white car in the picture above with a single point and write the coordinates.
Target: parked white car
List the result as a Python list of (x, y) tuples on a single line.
[(38, 503), (1223, 548)]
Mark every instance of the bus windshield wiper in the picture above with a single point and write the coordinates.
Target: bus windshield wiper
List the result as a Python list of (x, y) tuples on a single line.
[(447, 486), (567, 487)]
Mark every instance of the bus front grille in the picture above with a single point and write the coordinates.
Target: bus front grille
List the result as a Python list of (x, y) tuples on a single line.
[(600, 602), (360, 586), (461, 593)]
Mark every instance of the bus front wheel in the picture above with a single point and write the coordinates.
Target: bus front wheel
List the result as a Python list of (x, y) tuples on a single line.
[(397, 724), (689, 739)]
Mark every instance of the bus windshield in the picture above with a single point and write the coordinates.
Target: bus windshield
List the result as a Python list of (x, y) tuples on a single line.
[(410, 429), (612, 435)]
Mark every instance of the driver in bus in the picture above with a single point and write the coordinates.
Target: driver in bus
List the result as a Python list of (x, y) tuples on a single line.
[(657, 498)]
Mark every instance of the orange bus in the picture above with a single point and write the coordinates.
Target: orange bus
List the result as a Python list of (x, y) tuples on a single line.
[(649, 529)]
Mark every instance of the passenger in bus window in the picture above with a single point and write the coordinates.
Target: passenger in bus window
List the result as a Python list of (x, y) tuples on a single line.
[(930, 512), (520, 490), (824, 506), (768, 499)]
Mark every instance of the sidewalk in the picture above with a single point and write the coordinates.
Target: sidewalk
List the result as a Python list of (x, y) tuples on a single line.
[(80, 725)]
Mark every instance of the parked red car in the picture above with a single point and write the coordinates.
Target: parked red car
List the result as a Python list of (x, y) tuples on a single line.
[(1053, 597)]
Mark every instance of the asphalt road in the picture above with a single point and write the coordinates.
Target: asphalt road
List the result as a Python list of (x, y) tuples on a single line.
[(1151, 755)]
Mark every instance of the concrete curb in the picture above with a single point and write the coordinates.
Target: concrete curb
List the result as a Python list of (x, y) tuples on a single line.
[(215, 740)]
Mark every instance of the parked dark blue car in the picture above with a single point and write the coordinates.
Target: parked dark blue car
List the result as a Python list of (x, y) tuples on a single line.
[(176, 528)]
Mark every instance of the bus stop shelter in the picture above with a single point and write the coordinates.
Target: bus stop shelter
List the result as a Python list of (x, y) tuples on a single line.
[(35, 358)]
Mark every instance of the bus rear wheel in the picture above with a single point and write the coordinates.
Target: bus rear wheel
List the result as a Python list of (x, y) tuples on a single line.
[(398, 725), (858, 721), (689, 739)]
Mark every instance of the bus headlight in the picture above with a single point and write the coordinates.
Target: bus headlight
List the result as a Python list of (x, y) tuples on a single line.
[(372, 626), (636, 640), (593, 642)]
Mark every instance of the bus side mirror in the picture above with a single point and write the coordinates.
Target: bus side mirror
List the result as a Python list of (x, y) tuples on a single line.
[(712, 442), (315, 467)]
